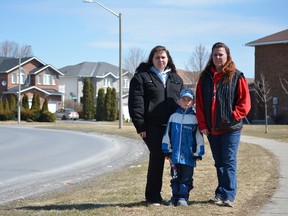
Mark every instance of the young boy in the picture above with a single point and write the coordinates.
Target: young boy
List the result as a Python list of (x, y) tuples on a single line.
[(183, 145)]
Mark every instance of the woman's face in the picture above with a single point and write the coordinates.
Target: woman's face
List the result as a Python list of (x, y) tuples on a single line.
[(219, 57), (160, 60)]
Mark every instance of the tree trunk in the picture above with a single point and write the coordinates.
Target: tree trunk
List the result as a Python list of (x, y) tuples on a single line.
[(266, 119)]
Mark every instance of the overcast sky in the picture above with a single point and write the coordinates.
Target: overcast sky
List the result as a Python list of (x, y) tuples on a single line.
[(68, 32)]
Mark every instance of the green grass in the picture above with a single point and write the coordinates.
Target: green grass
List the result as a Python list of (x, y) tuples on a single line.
[(122, 192)]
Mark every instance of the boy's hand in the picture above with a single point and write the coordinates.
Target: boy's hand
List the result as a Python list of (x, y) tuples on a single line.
[(167, 157), (197, 158)]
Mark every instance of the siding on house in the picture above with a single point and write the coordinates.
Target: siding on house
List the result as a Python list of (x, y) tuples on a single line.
[(101, 74)]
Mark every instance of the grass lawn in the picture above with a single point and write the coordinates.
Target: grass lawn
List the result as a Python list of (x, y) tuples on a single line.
[(122, 192)]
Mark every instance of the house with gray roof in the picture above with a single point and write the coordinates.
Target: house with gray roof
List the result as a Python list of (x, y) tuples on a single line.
[(101, 75), (35, 76)]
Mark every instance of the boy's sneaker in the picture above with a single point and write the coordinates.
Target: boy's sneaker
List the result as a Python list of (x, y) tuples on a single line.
[(216, 201), (182, 202), (228, 203), (172, 202)]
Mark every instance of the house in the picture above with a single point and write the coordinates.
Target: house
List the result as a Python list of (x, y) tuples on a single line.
[(189, 78), (101, 75), (35, 77), (271, 61)]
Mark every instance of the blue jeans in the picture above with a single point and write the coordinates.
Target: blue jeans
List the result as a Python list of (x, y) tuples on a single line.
[(183, 184), (224, 149)]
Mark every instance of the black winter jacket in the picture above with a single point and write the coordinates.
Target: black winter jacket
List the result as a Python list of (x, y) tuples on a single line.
[(149, 102)]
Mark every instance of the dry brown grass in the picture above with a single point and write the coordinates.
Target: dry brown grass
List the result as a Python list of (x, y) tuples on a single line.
[(276, 132), (122, 192)]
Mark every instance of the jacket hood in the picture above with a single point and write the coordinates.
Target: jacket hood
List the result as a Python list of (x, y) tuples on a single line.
[(143, 67)]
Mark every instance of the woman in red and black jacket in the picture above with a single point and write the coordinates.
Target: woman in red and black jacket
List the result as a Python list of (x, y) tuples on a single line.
[(153, 95), (222, 101)]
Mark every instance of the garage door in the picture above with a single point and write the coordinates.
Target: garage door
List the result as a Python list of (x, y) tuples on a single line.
[(52, 106)]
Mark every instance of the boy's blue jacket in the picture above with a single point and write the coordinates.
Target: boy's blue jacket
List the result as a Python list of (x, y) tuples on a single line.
[(182, 139)]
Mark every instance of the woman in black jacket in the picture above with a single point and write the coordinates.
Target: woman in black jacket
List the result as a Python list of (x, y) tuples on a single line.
[(153, 95)]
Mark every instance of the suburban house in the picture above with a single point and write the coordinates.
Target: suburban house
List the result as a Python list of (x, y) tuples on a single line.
[(35, 76), (101, 75), (189, 78), (271, 62)]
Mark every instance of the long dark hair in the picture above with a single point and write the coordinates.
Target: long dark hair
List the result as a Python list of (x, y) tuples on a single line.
[(159, 49), (229, 68)]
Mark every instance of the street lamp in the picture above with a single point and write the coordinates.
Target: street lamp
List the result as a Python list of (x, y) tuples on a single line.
[(19, 92), (120, 58)]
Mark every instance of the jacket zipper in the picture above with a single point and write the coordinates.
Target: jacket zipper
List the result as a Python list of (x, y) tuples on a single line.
[(180, 137)]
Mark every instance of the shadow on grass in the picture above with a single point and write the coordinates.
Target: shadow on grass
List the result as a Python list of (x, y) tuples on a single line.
[(89, 206), (86, 206)]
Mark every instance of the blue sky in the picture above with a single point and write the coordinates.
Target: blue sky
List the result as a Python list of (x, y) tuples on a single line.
[(68, 32)]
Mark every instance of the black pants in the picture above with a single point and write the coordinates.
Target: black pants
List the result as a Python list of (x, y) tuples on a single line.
[(154, 135)]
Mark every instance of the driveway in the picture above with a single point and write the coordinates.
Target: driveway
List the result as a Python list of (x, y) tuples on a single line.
[(35, 161)]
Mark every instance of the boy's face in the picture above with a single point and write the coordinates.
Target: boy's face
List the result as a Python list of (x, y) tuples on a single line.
[(185, 102)]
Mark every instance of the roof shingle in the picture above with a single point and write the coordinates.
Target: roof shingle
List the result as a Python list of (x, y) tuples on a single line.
[(279, 37)]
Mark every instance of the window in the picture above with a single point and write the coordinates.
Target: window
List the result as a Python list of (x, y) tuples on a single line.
[(14, 78), (27, 81), (125, 83), (108, 82), (40, 79), (53, 80), (47, 77), (22, 77)]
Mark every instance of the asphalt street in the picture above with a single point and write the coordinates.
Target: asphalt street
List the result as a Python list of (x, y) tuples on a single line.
[(34, 160)]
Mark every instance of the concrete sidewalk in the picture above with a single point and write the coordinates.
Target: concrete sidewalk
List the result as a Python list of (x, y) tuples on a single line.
[(278, 205)]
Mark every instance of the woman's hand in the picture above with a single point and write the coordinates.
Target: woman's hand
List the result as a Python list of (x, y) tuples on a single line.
[(205, 132), (142, 134)]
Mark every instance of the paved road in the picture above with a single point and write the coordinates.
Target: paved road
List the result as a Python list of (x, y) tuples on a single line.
[(34, 161), (278, 205)]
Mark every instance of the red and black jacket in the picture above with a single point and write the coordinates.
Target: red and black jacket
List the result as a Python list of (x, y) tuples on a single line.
[(220, 107)]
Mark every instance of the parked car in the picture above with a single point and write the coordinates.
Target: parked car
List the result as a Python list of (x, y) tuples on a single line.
[(67, 113)]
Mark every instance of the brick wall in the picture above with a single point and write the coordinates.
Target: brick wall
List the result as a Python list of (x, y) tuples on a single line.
[(272, 62)]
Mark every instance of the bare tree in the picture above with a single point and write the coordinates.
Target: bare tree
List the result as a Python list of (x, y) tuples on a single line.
[(134, 58), (13, 49), (262, 89), (198, 59), (284, 84)]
